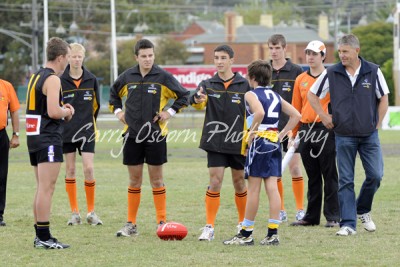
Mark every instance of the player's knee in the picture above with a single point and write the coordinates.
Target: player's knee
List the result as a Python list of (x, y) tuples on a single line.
[(215, 184), (88, 172), (70, 172)]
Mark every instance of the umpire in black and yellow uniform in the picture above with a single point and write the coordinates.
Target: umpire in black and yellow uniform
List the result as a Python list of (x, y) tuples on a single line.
[(147, 88)]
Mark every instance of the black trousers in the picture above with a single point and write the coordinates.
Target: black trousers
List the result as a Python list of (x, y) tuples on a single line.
[(4, 152), (317, 150)]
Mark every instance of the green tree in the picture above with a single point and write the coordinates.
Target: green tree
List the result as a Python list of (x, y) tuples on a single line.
[(387, 70), (170, 52), (376, 41)]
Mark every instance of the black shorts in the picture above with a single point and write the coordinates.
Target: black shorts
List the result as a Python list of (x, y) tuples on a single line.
[(49, 154), (152, 152), (80, 146), (216, 159)]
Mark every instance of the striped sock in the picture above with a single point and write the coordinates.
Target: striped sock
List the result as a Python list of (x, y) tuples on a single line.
[(43, 230), (298, 191), (212, 206), (70, 187), (133, 203), (247, 228), (90, 189), (273, 226), (240, 201), (160, 203)]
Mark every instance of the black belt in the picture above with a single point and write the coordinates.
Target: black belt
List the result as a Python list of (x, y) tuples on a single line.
[(313, 125)]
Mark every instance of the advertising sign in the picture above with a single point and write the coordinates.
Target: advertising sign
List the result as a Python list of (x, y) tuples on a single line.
[(391, 121), (191, 75)]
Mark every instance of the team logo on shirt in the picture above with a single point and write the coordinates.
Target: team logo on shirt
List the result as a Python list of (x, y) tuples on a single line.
[(304, 84), (236, 99), (215, 95), (286, 87), (366, 84), (152, 89), (69, 96), (88, 96), (132, 87)]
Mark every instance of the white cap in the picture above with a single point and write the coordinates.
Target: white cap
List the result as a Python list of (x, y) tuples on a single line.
[(316, 46)]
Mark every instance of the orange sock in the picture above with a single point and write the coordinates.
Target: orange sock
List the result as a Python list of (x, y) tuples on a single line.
[(212, 206), (90, 188), (240, 200), (280, 189), (298, 191), (70, 187), (160, 203), (133, 203)]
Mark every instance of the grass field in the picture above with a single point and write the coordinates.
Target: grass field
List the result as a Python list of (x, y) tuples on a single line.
[(186, 179)]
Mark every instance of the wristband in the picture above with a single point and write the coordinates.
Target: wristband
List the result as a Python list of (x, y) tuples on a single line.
[(171, 111), (118, 110)]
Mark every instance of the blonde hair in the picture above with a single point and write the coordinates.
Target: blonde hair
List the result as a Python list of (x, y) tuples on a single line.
[(78, 48)]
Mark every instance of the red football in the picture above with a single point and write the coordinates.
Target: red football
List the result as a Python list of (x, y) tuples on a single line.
[(172, 231)]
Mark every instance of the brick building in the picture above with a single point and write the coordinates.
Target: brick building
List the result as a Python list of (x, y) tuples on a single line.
[(250, 41)]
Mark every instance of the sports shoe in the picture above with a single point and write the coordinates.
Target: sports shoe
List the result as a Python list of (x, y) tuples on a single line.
[(93, 219), (36, 243), (345, 231), (239, 227), (367, 222), (128, 230), (75, 219), (208, 233), (52, 243), (270, 241), (300, 215), (283, 216), (239, 239)]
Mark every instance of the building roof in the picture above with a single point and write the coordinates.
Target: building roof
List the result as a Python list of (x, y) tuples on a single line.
[(259, 34), (210, 26)]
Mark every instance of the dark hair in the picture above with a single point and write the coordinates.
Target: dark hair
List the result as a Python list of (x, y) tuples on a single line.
[(143, 44), (56, 47), (225, 48), (260, 71), (276, 39)]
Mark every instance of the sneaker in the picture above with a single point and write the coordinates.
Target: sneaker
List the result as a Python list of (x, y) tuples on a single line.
[(367, 222), (345, 231), (36, 243), (300, 215), (128, 230), (208, 233), (239, 228), (93, 219), (270, 241), (75, 219), (239, 240), (52, 243), (283, 216)]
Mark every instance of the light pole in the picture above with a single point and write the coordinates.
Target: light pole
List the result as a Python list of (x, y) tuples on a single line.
[(35, 37)]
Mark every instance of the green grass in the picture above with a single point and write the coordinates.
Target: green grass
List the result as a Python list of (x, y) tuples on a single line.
[(186, 179)]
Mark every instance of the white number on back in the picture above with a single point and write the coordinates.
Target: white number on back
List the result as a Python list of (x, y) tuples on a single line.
[(275, 101)]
